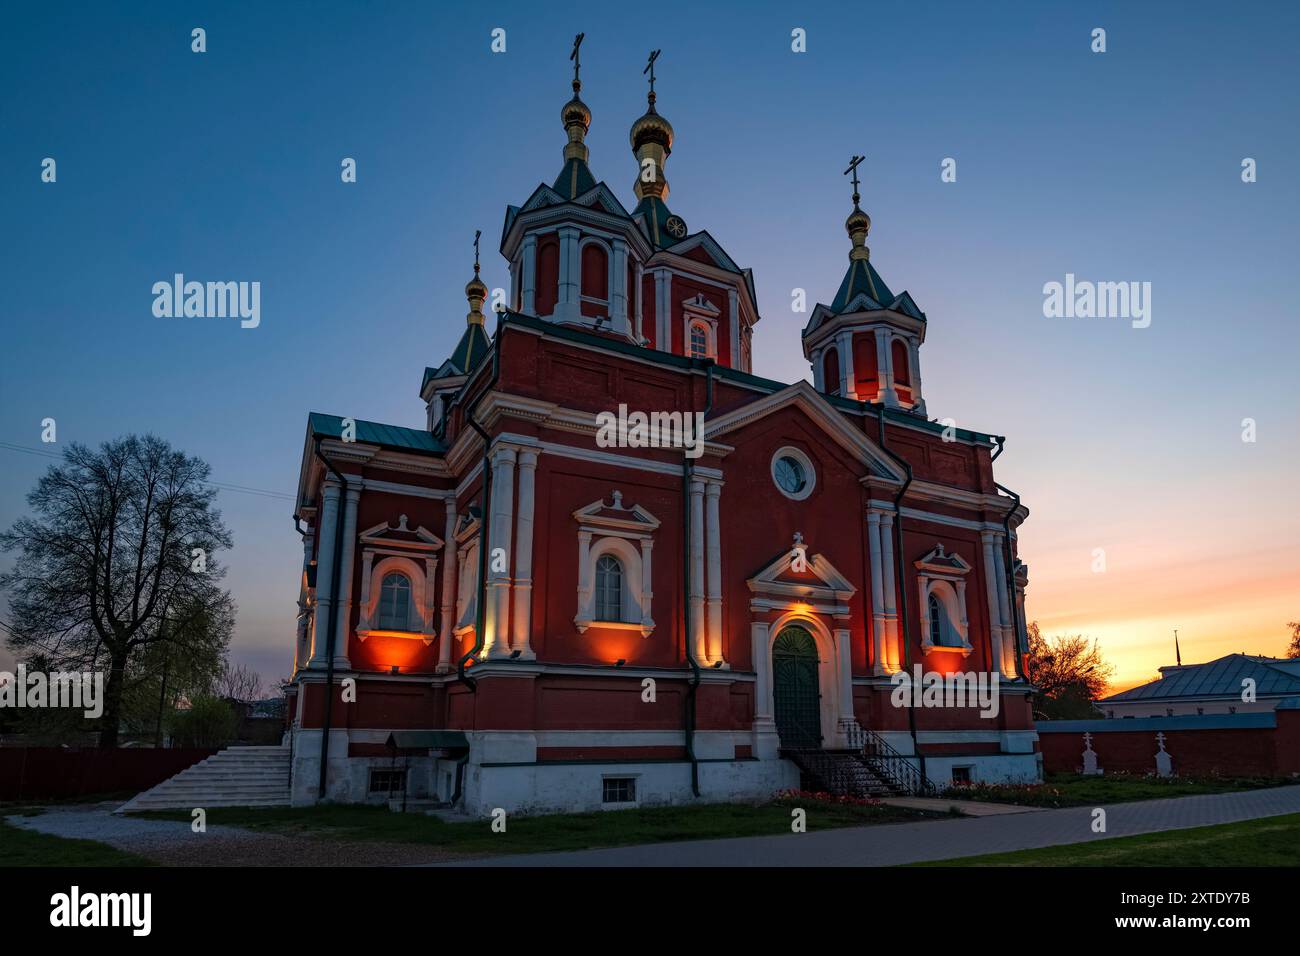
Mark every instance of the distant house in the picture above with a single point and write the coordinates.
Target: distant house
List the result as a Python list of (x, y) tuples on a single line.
[(1217, 687)]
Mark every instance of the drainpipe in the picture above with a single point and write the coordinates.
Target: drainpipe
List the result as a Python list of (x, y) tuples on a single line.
[(480, 604), (1010, 561), (902, 587), (688, 469), (331, 622)]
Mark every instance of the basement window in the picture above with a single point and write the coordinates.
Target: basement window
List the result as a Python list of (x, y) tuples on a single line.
[(618, 790), (387, 781), (961, 775)]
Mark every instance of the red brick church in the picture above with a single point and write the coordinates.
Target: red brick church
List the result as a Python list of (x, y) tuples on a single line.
[(514, 613)]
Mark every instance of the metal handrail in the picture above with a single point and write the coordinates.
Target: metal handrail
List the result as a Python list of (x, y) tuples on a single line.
[(887, 762)]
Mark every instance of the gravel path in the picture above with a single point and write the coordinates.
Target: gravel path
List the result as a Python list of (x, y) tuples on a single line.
[(173, 843)]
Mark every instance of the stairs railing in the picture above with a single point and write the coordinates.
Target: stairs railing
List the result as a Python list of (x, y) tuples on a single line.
[(896, 769)]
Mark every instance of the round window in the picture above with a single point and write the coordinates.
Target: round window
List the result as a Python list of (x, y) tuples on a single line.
[(793, 474)]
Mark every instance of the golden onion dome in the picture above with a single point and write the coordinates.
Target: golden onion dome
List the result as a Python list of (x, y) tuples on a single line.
[(475, 288), (652, 128), (858, 221), (576, 111)]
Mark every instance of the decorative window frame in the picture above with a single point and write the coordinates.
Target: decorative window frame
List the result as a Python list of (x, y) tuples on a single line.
[(944, 576), (627, 534), (605, 247), (467, 539), (810, 471), (698, 310), (383, 554)]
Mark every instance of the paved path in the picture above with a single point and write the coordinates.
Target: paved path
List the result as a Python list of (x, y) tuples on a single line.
[(967, 808), (933, 839)]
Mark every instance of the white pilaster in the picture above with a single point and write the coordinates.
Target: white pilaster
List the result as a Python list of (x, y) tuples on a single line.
[(618, 288), (766, 741), (844, 348), (885, 370), (698, 632), (1004, 609), (713, 549), (819, 382), (918, 399), (989, 569), (893, 633), (329, 519), (450, 565), (346, 573), (528, 280), (663, 310), (647, 588), (567, 309), (496, 643), (638, 298), (521, 623), (733, 316), (879, 660), (844, 676)]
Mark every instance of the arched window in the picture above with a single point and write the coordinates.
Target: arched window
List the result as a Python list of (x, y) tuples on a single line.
[(609, 588), (831, 372), (867, 377), (547, 280), (395, 603), (936, 621), (699, 344), (902, 372)]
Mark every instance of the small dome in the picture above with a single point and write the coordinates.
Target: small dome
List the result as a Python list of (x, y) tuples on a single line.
[(652, 128), (858, 221), (475, 289), (576, 111)]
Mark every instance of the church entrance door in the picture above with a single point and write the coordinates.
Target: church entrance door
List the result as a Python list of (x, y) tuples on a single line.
[(796, 695)]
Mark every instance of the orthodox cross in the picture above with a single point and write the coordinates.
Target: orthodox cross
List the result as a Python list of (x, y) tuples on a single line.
[(1087, 741), (1160, 739), (577, 62), (853, 168), (477, 233), (650, 68)]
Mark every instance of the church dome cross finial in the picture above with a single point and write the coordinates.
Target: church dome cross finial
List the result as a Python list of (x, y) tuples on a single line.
[(859, 223), (476, 290), (652, 142)]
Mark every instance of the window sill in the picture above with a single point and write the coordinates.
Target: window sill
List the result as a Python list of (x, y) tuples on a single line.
[(644, 627), (963, 649), (406, 635)]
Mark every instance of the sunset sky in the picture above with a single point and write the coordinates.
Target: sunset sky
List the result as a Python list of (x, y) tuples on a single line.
[(1119, 166)]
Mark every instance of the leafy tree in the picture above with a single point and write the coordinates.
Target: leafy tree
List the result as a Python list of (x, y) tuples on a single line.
[(1293, 650), (119, 556), (207, 722), (1069, 674)]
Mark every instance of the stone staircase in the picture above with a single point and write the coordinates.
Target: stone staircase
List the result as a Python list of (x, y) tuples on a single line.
[(234, 777), (841, 772)]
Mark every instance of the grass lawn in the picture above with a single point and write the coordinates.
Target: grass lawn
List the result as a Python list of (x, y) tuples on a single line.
[(1076, 790), (536, 834), (1272, 841), (20, 847)]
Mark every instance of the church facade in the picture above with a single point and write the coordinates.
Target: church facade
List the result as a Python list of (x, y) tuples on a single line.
[(522, 606)]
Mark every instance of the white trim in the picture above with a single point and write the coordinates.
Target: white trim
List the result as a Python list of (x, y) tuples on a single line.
[(810, 472)]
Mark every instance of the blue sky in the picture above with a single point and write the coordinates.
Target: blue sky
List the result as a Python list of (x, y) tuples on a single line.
[(1122, 166)]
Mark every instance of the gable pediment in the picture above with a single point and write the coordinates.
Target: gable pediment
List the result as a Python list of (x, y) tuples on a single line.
[(810, 402), (401, 537), (820, 581), (616, 516)]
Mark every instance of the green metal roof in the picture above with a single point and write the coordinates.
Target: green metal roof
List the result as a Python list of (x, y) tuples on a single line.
[(656, 214), (574, 179), (374, 433), (471, 348), (861, 277)]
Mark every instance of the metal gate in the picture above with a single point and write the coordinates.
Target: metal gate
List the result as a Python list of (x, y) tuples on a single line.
[(794, 689)]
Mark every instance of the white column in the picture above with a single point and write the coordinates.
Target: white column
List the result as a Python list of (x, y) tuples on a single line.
[(885, 370), (328, 523), (766, 743), (844, 679), (713, 550), (880, 663), (521, 623), (698, 632), (430, 630), (618, 287), (1004, 609), (497, 643), (915, 351), (893, 633), (989, 570), (367, 568), (528, 281), (585, 584), (637, 297), (570, 275), (733, 313), (450, 565), (301, 649), (647, 588), (663, 310), (346, 574), (844, 345)]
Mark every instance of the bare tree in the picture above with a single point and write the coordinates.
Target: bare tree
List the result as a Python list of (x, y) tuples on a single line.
[(240, 683), (118, 556), (1293, 649)]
